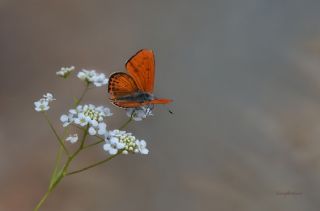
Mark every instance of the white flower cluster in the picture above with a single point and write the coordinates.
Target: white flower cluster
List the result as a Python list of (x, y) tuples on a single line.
[(88, 115), (120, 140), (139, 113), (64, 72), (91, 76), (43, 103)]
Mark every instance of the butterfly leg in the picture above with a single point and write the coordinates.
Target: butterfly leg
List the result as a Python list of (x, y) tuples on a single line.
[(149, 109), (133, 112)]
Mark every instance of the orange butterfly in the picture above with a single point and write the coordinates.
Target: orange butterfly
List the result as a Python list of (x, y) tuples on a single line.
[(136, 88)]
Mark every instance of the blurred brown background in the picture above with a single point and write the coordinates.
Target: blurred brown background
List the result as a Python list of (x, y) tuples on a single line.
[(245, 77)]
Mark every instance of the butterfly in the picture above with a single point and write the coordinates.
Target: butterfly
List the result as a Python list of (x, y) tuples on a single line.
[(135, 88)]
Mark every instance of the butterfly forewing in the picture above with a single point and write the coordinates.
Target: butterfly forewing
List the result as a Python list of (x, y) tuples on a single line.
[(141, 67), (121, 84)]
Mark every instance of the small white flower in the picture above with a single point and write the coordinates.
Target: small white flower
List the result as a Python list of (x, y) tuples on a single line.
[(91, 76), (64, 72), (100, 80), (93, 122), (112, 149), (83, 75), (142, 147), (49, 97), (81, 119), (105, 110), (120, 140), (102, 128), (117, 143), (67, 119), (139, 113), (64, 118), (73, 111), (72, 138), (41, 105), (92, 131), (113, 145), (116, 133)]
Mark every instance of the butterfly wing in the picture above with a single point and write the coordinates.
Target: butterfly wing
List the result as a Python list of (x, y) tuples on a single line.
[(130, 104), (121, 84), (141, 67)]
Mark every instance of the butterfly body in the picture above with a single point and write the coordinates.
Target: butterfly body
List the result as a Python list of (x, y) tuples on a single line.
[(140, 97), (135, 88)]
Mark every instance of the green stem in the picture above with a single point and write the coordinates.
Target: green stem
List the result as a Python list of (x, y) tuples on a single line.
[(56, 166), (82, 95), (94, 165), (127, 122), (71, 158), (45, 196), (55, 133), (93, 144), (51, 188), (64, 172), (57, 177)]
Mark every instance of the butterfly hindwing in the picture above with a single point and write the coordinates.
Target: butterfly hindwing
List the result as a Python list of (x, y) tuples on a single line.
[(132, 104), (141, 67), (121, 84), (127, 104)]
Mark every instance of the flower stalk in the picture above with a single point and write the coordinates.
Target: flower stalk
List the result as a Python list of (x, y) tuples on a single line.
[(64, 172), (90, 119), (95, 164), (55, 133)]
